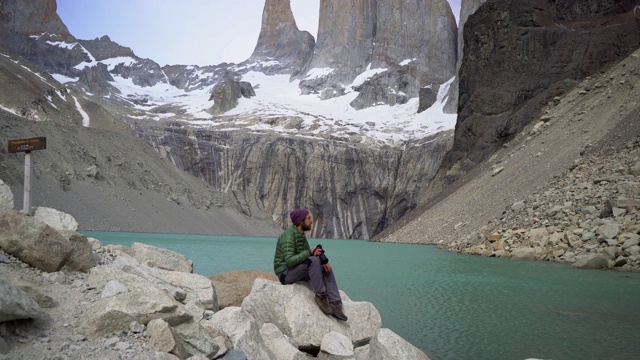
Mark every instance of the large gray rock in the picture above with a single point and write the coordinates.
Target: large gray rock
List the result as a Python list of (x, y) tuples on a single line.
[(56, 219), (241, 329), (299, 317), (386, 344), (524, 254), (278, 344), (181, 286), (160, 336), (194, 340), (336, 346), (34, 242), (154, 256), (15, 304), (114, 314), (81, 257), (6, 197), (197, 287), (592, 261), (225, 95)]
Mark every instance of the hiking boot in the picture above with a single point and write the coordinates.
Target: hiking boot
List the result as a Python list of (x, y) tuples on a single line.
[(336, 306), (323, 302)]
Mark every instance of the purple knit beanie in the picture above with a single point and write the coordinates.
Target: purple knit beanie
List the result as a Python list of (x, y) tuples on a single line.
[(298, 215)]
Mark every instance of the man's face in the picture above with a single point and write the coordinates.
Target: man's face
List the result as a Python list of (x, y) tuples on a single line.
[(306, 223)]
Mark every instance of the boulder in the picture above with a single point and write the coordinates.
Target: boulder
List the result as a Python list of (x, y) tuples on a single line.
[(194, 340), (183, 287), (225, 95), (6, 197), (33, 241), (232, 287), (241, 329), (523, 254), (336, 346), (35, 291), (197, 287), (114, 314), (386, 344), (56, 219), (113, 287), (300, 317), (278, 344), (153, 256), (592, 261), (15, 304), (81, 256), (159, 355), (160, 336)]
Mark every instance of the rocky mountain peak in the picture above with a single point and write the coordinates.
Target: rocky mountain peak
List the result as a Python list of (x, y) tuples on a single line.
[(406, 45), (282, 48), (32, 17), (104, 48)]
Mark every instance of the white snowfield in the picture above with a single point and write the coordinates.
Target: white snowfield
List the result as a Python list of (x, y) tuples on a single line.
[(279, 103)]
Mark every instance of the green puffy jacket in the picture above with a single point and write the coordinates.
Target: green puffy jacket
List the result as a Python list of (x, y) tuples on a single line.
[(291, 250)]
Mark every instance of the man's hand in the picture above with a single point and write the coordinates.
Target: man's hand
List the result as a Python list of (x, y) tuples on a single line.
[(316, 251), (326, 267)]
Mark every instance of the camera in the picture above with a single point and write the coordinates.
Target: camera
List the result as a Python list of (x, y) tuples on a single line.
[(322, 256)]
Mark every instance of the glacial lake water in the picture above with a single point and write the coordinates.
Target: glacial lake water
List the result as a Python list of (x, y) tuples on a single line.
[(453, 306)]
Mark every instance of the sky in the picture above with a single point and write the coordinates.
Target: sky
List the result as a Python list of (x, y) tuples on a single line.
[(185, 32)]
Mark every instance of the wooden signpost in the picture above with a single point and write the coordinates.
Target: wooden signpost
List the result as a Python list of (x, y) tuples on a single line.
[(27, 146)]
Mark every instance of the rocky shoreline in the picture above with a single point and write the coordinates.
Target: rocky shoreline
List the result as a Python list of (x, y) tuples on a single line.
[(65, 296), (589, 218)]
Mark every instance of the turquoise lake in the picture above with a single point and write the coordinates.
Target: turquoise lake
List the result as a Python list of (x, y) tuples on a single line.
[(453, 306)]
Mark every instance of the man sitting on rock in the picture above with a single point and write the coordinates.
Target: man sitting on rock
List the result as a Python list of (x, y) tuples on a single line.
[(294, 261)]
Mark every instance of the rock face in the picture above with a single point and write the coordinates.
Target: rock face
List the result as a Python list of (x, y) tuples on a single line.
[(467, 7), (32, 17), (353, 191), (517, 57), (225, 95), (281, 47), (356, 35)]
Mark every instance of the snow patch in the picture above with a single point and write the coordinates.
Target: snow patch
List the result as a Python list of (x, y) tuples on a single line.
[(407, 61), (62, 44), (63, 79), (366, 75), (85, 117), (9, 110), (316, 73)]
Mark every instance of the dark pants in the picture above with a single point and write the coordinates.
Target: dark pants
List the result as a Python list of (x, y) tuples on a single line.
[(311, 270)]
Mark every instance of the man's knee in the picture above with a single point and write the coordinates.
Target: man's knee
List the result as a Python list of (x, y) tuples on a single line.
[(314, 260)]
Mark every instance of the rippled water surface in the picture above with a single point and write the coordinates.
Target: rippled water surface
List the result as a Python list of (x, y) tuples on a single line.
[(454, 306)]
